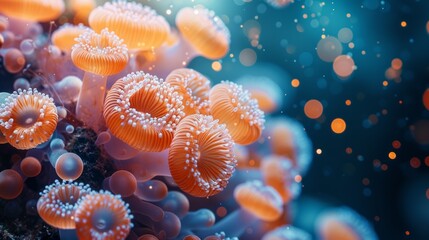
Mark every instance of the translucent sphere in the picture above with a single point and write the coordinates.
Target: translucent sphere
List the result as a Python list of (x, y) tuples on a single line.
[(27, 46), (11, 184), (21, 83), (69, 166)]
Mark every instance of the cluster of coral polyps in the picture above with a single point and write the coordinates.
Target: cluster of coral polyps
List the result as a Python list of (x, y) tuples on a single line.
[(88, 110)]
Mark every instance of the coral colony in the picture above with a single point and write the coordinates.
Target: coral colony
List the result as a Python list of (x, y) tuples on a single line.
[(121, 140)]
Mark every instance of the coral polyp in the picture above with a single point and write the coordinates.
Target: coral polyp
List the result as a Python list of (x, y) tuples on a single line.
[(99, 55), (205, 31), (143, 111), (58, 202), (102, 54), (235, 107), (140, 26), (28, 118), (193, 87), (201, 156), (102, 216), (32, 10), (65, 36)]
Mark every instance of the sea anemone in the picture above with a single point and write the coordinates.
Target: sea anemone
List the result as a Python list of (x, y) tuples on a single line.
[(28, 118), (102, 216), (260, 200), (143, 111), (201, 157), (32, 10), (65, 36), (234, 106), (99, 55), (140, 26), (202, 33), (81, 10), (257, 201), (278, 173), (289, 139), (193, 87), (343, 223), (58, 202), (205, 31), (265, 90), (287, 232)]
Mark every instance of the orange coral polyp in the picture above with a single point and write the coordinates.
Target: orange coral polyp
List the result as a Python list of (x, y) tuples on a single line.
[(143, 111), (260, 200), (64, 37), (233, 106), (140, 26), (58, 202), (204, 31), (201, 157), (193, 87), (278, 173), (103, 54), (28, 118), (102, 216), (81, 10), (32, 10)]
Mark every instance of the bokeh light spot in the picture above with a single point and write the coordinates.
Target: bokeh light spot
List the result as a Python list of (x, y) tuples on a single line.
[(313, 109), (345, 35), (385, 83), (338, 125), (349, 150), (427, 161), (396, 144), (343, 66), (329, 48), (426, 99), (396, 64), (392, 155), (247, 57), (221, 211), (415, 162), (295, 83), (348, 102), (216, 66)]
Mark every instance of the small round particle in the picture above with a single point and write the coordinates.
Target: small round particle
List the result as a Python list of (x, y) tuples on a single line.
[(69, 166), (21, 83), (313, 109), (338, 125), (31, 166), (11, 184), (14, 60), (123, 183)]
